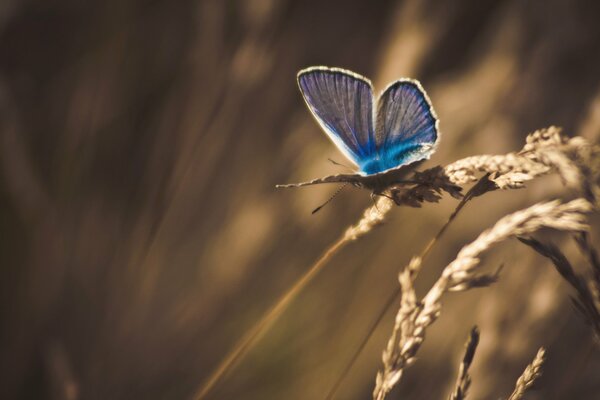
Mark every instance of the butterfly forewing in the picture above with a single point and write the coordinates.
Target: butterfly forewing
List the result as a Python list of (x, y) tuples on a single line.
[(406, 127), (342, 103)]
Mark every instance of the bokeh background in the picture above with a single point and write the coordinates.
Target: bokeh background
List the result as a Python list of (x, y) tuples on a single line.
[(141, 233)]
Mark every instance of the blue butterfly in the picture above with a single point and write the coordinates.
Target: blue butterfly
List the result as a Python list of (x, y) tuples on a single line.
[(378, 136)]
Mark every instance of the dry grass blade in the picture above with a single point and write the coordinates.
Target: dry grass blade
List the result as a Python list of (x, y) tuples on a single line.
[(529, 376), (590, 252), (373, 216), (586, 247), (463, 381), (586, 301), (414, 316)]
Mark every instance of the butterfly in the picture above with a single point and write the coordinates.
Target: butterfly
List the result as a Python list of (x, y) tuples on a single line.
[(379, 136)]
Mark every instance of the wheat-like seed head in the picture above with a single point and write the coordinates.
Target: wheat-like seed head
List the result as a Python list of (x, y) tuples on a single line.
[(372, 217), (414, 317), (529, 376), (545, 150), (463, 380)]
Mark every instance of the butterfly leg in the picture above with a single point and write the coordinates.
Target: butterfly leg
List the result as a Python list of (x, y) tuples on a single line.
[(382, 194), (374, 200)]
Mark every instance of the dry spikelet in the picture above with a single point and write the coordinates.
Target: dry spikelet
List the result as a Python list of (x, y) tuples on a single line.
[(465, 170), (372, 217), (529, 376), (428, 186), (414, 317), (545, 150), (567, 217), (463, 381)]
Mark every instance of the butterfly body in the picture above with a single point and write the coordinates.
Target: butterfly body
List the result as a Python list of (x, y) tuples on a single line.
[(379, 136)]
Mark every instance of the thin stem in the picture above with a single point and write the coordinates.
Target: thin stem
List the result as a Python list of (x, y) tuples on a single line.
[(391, 300), (474, 191), (256, 332), (371, 217)]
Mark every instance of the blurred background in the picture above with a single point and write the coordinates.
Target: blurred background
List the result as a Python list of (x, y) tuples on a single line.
[(141, 233)]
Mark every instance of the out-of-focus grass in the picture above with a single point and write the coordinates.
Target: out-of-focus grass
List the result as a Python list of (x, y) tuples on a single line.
[(141, 233)]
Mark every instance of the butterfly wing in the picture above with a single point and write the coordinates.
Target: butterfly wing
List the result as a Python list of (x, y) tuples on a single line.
[(342, 103), (406, 127)]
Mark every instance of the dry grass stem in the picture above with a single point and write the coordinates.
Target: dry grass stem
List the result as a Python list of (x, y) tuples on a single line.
[(414, 316), (373, 216), (259, 329), (529, 376), (463, 381)]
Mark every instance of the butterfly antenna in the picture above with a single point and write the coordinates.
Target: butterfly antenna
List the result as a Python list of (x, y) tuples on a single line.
[(339, 164), (331, 198)]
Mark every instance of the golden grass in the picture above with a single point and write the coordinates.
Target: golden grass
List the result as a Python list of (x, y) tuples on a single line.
[(545, 151), (415, 316)]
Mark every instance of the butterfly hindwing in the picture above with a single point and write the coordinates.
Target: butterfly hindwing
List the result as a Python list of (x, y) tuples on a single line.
[(406, 127), (342, 103)]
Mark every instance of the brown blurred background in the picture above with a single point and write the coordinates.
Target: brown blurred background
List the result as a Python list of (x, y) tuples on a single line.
[(141, 233)]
